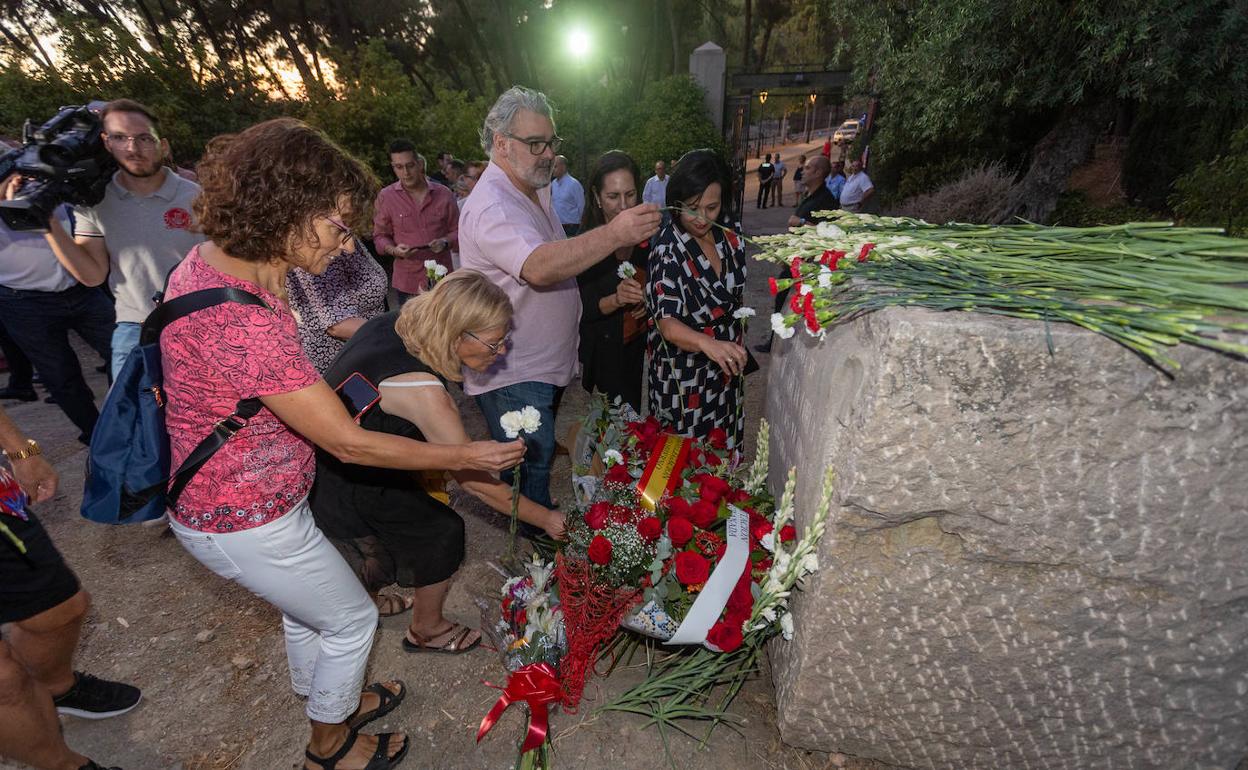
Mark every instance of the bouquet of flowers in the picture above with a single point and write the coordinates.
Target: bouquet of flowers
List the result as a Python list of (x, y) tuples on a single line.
[(530, 625)]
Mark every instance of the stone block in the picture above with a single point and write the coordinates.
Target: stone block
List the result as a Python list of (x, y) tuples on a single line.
[(1035, 559)]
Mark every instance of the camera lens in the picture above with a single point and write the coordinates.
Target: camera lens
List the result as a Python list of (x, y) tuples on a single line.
[(32, 208)]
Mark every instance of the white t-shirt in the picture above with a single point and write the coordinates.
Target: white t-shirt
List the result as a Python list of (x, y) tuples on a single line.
[(27, 262), (855, 187)]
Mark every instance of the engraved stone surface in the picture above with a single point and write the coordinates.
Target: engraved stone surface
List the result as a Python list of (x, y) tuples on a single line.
[(1035, 560)]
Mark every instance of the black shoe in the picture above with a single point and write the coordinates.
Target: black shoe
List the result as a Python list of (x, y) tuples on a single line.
[(28, 394), (94, 698), (91, 765)]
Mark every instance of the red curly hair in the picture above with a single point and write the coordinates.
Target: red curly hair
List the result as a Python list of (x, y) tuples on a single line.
[(263, 187)]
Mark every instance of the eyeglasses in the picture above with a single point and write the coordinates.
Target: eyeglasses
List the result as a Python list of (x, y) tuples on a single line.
[(497, 347), (143, 141), (538, 146), (347, 235)]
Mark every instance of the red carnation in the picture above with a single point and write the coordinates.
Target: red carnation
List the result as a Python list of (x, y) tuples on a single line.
[(619, 474), (691, 568), (787, 533), (680, 531), (703, 513), (808, 304), (726, 636), (596, 516), (795, 299), (649, 528), (866, 249), (600, 550), (795, 267), (759, 529), (738, 496), (812, 322), (717, 438), (772, 287)]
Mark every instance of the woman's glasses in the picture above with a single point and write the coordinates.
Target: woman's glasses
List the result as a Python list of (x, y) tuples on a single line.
[(495, 348), (347, 235)]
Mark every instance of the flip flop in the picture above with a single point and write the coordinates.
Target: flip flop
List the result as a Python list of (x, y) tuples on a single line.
[(387, 701), (454, 645)]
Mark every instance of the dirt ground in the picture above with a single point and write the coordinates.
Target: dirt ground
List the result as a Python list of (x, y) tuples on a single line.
[(210, 659)]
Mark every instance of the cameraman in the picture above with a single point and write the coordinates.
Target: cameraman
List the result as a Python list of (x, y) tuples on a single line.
[(142, 228), (47, 288)]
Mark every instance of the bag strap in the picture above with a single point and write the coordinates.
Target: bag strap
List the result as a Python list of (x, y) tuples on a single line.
[(180, 307), (221, 433)]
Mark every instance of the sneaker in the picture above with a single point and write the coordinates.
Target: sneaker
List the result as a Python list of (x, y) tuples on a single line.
[(94, 698)]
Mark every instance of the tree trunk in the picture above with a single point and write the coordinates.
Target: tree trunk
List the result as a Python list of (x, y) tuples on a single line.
[(747, 44), (762, 49), (479, 45), (1065, 146), (213, 38), (157, 38), (675, 33), (28, 51)]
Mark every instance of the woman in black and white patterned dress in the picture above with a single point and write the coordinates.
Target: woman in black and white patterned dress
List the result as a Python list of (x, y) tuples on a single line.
[(695, 286)]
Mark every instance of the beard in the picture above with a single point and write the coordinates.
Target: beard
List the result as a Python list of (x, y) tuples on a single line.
[(538, 176), (140, 167)]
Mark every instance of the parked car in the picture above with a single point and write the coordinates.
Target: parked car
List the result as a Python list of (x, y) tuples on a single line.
[(847, 132)]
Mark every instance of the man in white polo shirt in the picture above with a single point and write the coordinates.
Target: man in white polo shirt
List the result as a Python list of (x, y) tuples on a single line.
[(142, 228), (858, 187)]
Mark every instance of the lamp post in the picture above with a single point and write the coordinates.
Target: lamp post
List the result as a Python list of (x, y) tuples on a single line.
[(578, 45), (813, 113), (762, 116)]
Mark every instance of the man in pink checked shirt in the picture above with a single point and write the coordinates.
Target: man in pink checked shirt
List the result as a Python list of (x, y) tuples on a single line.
[(416, 219)]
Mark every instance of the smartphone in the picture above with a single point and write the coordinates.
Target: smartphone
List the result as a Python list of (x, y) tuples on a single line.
[(358, 395)]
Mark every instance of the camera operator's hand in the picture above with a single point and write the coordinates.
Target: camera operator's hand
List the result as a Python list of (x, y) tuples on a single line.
[(8, 188)]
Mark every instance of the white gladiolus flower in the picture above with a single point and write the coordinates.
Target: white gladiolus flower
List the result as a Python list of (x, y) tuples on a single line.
[(773, 584), (810, 563), (786, 626), (804, 289), (626, 270), (781, 564), (744, 312), (612, 457), (769, 614), (782, 330), (768, 542), (825, 277), (829, 230), (530, 419)]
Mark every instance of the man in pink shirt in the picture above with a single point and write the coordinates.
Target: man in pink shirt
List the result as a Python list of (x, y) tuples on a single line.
[(509, 232), (416, 219)]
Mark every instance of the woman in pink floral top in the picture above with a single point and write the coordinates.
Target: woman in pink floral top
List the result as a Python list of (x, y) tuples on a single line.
[(281, 195)]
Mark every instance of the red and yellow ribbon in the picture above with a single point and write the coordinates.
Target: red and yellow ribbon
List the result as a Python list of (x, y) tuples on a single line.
[(536, 685), (663, 471)]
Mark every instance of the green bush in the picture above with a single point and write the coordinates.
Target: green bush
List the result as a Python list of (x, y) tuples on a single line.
[(1216, 193), (1073, 210)]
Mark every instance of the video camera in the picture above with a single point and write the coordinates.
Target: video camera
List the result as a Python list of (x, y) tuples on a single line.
[(62, 161)]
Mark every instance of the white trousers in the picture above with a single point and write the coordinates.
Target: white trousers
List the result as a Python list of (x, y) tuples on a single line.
[(328, 617)]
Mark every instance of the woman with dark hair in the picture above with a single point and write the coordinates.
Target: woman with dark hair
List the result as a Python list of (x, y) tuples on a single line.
[(281, 195), (613, 348), (695, 288)]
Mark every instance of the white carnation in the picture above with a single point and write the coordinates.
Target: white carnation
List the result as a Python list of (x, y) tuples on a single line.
[(530, 419), (512, 423), (612, 457), (626, 270), (768, 542), (782, 330), (744, 312)]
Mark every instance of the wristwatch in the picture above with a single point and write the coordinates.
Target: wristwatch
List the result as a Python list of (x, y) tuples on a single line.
[(32, 449)]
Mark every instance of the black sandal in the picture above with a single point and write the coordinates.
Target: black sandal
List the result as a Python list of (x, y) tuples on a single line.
[(387, 701), (379, 760)]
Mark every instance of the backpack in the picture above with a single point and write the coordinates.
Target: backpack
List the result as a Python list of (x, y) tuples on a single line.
[(128, 479)]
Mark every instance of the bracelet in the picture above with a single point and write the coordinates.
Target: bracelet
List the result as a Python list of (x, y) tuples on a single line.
[(32, 449)]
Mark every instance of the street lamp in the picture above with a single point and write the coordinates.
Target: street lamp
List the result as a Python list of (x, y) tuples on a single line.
[(810, 116), (578, 43), (578, 46), (762, 115)]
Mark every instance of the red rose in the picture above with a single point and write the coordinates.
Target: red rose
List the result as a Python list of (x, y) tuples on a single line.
[(759, 529), (680, 531), (726, 636), (596, 516), (737, 496), (600, 550), (678, 507), (618, 474), (787, 533), (713, 488), (795, 267), (772, 287), (866, 249), (717, 438), (703, 513), (713, 461), (691, 568), (649, 528)]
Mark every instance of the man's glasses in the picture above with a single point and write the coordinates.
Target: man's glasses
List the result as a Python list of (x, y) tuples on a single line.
[(538, 146), (143, 141), (347, 235), (497, 347)]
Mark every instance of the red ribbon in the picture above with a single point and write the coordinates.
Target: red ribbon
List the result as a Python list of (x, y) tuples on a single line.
[(536, 685)]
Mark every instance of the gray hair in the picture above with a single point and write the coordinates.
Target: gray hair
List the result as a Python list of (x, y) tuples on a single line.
[(503, 113)]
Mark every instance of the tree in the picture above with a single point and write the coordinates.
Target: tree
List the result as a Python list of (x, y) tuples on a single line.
[(951, 69)]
